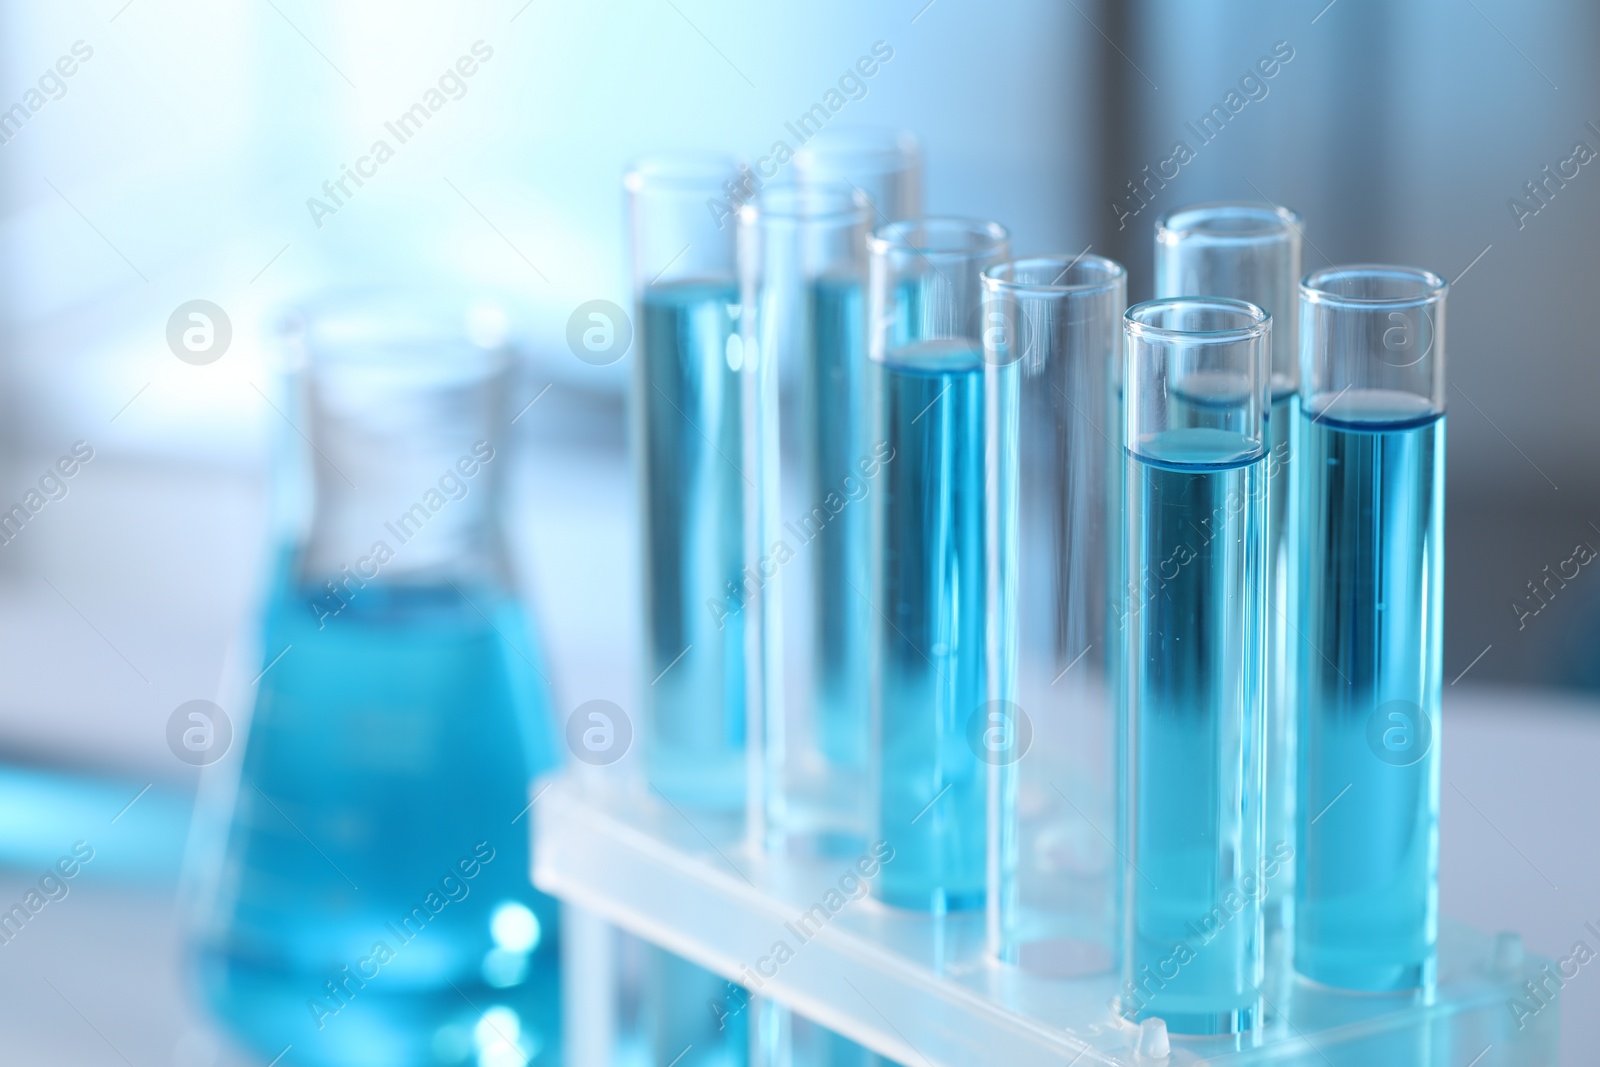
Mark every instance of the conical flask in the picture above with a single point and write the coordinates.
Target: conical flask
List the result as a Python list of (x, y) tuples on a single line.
[(371, 903)]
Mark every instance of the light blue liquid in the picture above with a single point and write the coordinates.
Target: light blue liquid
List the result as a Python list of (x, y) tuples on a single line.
[(687, 436), (1197, 514), (692, 499), (838, 449), (388, 753), (929, 629), (1371, 561)]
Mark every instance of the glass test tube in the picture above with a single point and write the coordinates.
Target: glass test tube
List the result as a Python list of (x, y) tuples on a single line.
[(1371, 569), (803, 257), (1055, 907), (884, 165), (803, 263), (1251, 252), (941, 412), (1196, 514), (686, 439)]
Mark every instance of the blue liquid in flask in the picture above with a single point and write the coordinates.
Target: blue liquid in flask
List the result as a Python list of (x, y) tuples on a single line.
[(929, 590), (692, 508), (374, 903), (1366, 906), (1195, 676)]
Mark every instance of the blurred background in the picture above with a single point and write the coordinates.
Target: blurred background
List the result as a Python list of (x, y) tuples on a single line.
[(194, 153)]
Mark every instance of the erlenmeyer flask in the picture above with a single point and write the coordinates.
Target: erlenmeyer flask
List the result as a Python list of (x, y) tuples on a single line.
[(373, 904)]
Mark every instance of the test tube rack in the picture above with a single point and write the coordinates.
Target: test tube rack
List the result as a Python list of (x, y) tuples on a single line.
[(924, 991)]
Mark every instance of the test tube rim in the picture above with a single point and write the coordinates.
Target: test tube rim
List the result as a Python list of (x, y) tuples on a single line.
[(1260, 322), (1115, 274), (885, 147), (1276, 221), (1432, 288), (987, 238), (676, 171), (851, 204)]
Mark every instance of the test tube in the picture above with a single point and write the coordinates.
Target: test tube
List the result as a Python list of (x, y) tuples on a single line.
[(686, 438), (1054, 911), (686, 435), (803, 257), (883, 168), (884, 165), (1195, 521), (1370, 570), (1251, 252), (943, 413)]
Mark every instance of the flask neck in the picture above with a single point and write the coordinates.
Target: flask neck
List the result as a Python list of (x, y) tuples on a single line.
[(408, 451)]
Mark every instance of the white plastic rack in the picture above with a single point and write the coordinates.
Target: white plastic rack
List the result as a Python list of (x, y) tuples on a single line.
[(922, 990)]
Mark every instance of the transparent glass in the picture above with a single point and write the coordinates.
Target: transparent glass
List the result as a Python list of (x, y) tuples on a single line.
[(941, 414), (372, 904), (1248, 252), (1370, 571), (1053, 813), (884, 165), (695, 482), (803, 253), (692, 482), (1197, 384), (1251, 252)]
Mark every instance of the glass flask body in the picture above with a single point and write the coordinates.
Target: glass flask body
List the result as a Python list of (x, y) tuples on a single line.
[(372, 903)]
